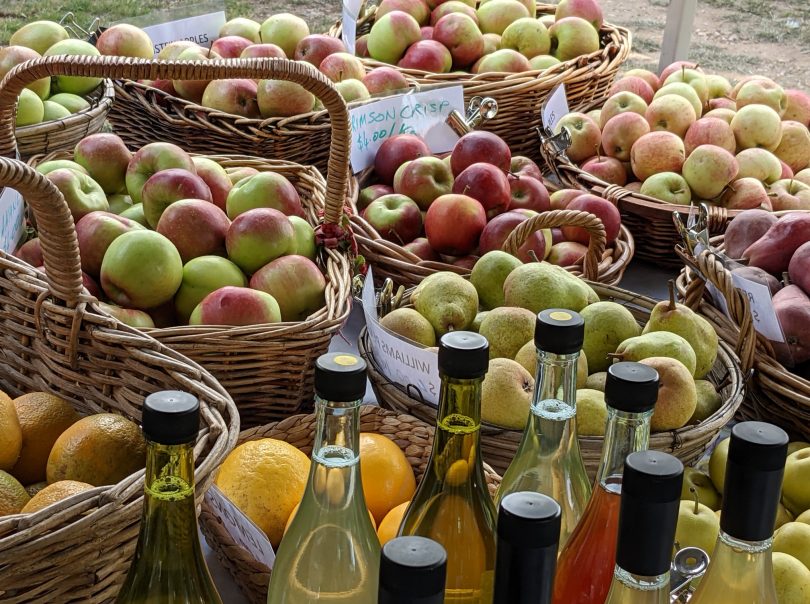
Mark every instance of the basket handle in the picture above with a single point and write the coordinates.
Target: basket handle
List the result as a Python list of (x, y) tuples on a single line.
[(558, 218), (143, 69)]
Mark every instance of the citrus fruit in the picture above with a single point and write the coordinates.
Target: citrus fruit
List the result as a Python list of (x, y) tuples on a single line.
[(99, 450), (388, 478), (265, 479), (10, 433), (295, 511), (53, 493), (389, 527), (43, 417), (12, 495)]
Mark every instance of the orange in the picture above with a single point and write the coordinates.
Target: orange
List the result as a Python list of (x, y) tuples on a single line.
[(53, 493), (295, 511), (10, 433), (388, 478), (389, 527), (12, 495), (99, 450), (43, 417)]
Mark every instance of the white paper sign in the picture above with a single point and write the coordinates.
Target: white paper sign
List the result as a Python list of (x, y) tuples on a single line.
[(555, 109), (400, 361), (351, 11), (719, 299), (202, 29), (761, 302), (12, 219), (240, 527), (422, 113)]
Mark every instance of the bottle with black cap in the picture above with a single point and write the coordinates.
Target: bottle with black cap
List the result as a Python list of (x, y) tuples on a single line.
[(412, 571), (528, 532), (740, 571), (548, 459), (452, 504), (586, 563), (331, 552), (169, 567), (648, 515)]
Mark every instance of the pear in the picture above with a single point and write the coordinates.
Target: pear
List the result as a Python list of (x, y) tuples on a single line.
[(791, 579), (697, 483), (596, 381), (590, 295), (476, 324), (794, 538), (409, 324), (506, 329), (677, 397), (783, 516), (447, 300), (708, 401), (717, 464), (582, 369), (796, 483), (591, 412), (683, 321), (657, 344), (537, 286), (607, 325), (527, 357), (698, 526), (488, 275), (506, 394), (797, 445), (804, 517)]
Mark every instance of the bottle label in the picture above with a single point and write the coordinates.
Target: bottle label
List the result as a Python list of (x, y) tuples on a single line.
[(241, 528)]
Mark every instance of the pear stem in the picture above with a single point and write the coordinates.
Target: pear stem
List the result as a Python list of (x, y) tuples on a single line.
[(672, 302), (696, 497)]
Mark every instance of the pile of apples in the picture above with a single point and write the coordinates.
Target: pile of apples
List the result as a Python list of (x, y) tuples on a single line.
[(498, 36), (51, 98), (169, 239), (459, 206), (688, 136)]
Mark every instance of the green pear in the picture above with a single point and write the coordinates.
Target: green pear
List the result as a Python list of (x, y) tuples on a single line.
[(596, 381), (797, 445), (708, 401), (683, 321), (537, 286), (527, 357), (794, 538), (783, 516), (447, 300), (677, 396), (409, 324), (791, 579), (717, 464), (607, 324), (698, 526), (506, 329), (479, 318), (488, 275), (657, 344), (696, 483), (591, 412), (582, 369), (506, 394), (804, 517), (796, 483)]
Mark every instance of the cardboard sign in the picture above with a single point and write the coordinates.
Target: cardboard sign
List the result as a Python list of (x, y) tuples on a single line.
[(555, 108), (351, 11), (759, 298), (421, 113), (240, 527), (400, 361), (12, 219)]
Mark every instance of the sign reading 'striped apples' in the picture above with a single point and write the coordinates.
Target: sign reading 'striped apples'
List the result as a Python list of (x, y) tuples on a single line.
[(202, 30)]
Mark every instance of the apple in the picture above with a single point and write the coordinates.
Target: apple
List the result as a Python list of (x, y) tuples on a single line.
[(694, 78), (370, 193), (684, 90), (789, 194), (280, 98), (361, 46), (787, 171), (231, 47), (95, 232), (172, 50), (30, 252), (342, 66), (757, 126), (572, 37), (480, 146), (215, 176), (391, 35), (794, 146), (421, 247), (295, 282), (427, 55), (11, 56), (585, 9), (585, 135), (486, 184), (621, 132), (669, 187), (633, 84), (259, 236), (119, 202), (201, 276), (451, 6), (384, 80), (236, 306), (719, 87), (240, 173), (567, 253), (258, 51), (460, 34), (607, 169), (622, 102), (73, 84), (82, 194), (195, 227), (804, 176), (39, 35), (395, 217), (105, 157), (671, 113), (418, 9), (72, 102), (657, 152), (396, 151), (528, 36), (760, 164), (504, 60), (124, 40), (424, 179), (128, 316), (237, 97), (721, 103), (762, 92), (710, 131), (141, 269), (264, 190), (745, 194), (453, 223), (193, 90), (708, 170), (676, 66), (284, 30), (646, 75), (523, 166), (528, 193), (498, 230), (536, 247), (795, 493), (560, 199), (634, 186), (492, 42), (722, 113), (496, 15), (599, 207), (543, 62), (304, 238), (53, 111), (798, 106), (167, 186), (240, 26), (314, 48), (426, 31)]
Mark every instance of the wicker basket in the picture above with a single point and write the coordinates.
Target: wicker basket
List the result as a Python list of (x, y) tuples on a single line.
[(499, 445), (57, 135), (268, 369), (521, 96), (55, 339), (412, 435)]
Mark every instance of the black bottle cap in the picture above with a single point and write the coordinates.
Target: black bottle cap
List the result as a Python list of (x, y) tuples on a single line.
[(340, 377), (559, 331), (463, 355), (529, 519), (753, 484), (631, 387), (651, 494), (410, 568), (171, 417)]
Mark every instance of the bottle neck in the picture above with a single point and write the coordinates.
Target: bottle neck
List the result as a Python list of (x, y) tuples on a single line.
[(555, 388), (628, 588), (460, 397), (337, 426), (169, 472), (625, 433), (730, 546)]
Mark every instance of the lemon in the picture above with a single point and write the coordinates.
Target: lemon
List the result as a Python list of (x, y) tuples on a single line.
[(388, 478), (389, 527)]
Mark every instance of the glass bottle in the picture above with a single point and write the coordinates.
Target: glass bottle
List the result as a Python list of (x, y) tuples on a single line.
[(452, 504), (586, 563), (168, 567), (413, 570), (331, 552), (648, 515), (548, 459), (528, 532), (740, 571)]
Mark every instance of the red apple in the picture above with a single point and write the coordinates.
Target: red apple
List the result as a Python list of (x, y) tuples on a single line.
[(454, 223), (745, 194), (787, 171), (633, 84), (427, 55), (105, 157), (709, 131), (427, 32), (528, 193), (498, 230), (230, 47), (361, 46), (646, 75), (370, 193), (150, 159), (798, 107), (236, 306), (584, 9), (607, 169), (523, 166), (567, 253), (657, 152), (396, 151), (480, 146), (215, 176), (314, 48), (166, 86), (536, 246), (341, 66), (421, 247), (560, 199), (195, 227), (124, 40), (237, 97), (467, 262), (31, 252), (602, 209), (260, 51), (395, 217), (452, 6), (295, 282), (384, 80), (621, 131), (556, 236), (417, 9), (676, 66), (167, 186), (486, 184), (259, 236), (460, 34), (423, 180)]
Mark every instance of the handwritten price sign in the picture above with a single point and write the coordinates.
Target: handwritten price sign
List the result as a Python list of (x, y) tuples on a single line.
[(240, 527)]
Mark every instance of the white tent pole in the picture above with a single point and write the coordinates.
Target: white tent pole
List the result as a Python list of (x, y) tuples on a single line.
[(677, 32)]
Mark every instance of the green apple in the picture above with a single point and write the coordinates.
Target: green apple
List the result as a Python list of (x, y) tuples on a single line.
[(686, 91), (719, 86), (82, 194), (572, 37), (57, 164), (794, 538), (39, 35), (696, 483), (495, 16), (804, 517), (698, 526), (791, 579), (708, 170), (783, 516), (762, 92), (54, 111), (285, 31), (239, 26), (391, 36), (760, 164), (74, 84), (201, 276), (528, 36), (119, 202), (757, 126), (352, 90), (669, 187), (72, 102), (135, 212), (544, 62), (797, 445), (717, 464), (30, 109), (696, 79), (796, 483), (304, 238)]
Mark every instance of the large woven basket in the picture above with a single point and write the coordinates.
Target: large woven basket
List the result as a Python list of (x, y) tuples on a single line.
[(267, 369), (413, 436), (55, 339), (520, 96), (57, 135), (499, 445)]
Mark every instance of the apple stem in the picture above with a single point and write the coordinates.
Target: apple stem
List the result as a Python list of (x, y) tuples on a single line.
[(672, 301), (533, 256), (598, 154), (696, 497), (615, 355)]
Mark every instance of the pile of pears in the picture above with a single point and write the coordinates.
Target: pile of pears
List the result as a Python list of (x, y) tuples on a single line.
[(501, 300)]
